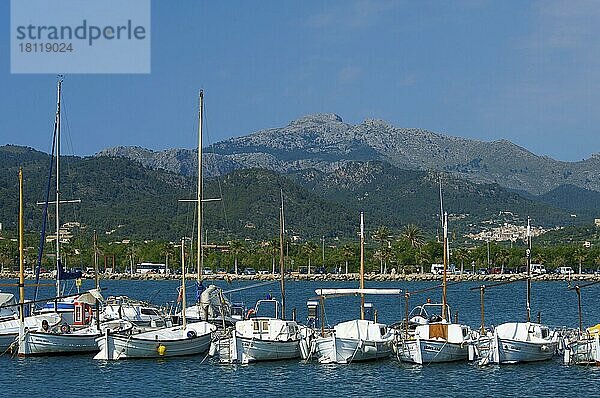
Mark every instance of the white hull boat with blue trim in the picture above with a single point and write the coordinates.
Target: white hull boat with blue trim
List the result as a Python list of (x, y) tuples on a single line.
[(263, 339), (516, 342), (429, 338), (194, 338), (435, 343), (351, 341)]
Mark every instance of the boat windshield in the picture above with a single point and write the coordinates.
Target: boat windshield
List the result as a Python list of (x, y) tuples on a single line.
[(428, 310), (267, 309)]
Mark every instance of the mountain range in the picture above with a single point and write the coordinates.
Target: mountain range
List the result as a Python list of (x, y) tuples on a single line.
[(324, 141), (328, 170)]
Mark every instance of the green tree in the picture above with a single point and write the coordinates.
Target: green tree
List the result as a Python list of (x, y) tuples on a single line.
[(347, 251), (580, 255), (413, 235), (383, 235), (309, 248), (462, 255), (502, 256), (236, 248)]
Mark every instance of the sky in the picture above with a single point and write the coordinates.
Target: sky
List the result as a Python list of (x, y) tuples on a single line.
[(524, 71)]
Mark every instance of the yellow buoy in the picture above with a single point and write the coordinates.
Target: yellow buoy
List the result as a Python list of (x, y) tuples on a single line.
[(161, 349)]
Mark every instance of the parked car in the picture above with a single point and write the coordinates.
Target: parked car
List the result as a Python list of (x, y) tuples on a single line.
[(249, 271), (207, 271), (496, 270), (321, 270), (482, 271)]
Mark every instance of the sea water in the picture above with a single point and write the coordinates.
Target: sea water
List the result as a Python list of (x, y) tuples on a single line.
[(80, 375)]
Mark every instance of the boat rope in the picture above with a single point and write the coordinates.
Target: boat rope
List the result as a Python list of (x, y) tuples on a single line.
[(355, 351), (11, 347), (124, 347), (438, 353), (44, 219)]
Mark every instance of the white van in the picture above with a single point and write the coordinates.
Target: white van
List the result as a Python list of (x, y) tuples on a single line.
[(438, 269), (566, 271), (538, 269)]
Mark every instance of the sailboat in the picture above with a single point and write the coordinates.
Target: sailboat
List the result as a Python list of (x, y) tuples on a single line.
[(211, 305), (435, 338), (185, 339), (358, 339), (11, 319), (582, 347), (180, 340), (515, 342), (265, 337), (65, 306)]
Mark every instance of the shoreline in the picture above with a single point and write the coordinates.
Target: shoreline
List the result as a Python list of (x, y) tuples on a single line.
[(330, 277)]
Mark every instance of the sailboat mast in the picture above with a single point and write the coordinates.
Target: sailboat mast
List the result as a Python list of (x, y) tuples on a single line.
[(183, 298), (444, 278), (57, 144), (362, 265), (199, 259), (528, 270), (21, 256), (281, 259)]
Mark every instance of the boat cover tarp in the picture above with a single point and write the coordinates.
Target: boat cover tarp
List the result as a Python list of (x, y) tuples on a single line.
[(439, 330)]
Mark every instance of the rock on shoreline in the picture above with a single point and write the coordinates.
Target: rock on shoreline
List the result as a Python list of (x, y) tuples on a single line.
[(331, 277)]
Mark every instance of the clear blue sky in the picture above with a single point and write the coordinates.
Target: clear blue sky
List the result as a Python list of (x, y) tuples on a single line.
[(526, 71)]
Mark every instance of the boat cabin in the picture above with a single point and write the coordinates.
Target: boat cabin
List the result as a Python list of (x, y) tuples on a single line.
[(523, 331), (268, 329), (361, 329), (450, 332)]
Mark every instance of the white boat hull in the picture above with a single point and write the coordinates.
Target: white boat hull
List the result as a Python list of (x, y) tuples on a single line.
[(168, 342), (9, 329), (246, 350), (513, 351), (425, 351), (44, 343), (332, 349), (6, 340), (584, 351)]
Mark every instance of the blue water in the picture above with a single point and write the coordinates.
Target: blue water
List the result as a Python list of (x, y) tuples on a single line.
[(191, 376)]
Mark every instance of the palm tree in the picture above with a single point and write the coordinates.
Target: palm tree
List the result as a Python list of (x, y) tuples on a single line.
[(272, 247), (461, 254), (5, 255), (413, 235), (422, 257), (580, 255), (347, 252), (309, 248), (539, 258), (236, 248), (168, 251), (502, 256), (382, 235), (131, 252)]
